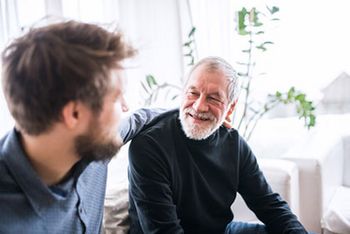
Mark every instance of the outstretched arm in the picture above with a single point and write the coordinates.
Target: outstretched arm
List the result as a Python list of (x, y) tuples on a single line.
[(137, 121)]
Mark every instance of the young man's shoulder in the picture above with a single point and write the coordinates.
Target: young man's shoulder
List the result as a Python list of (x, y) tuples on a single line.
[(7, 183), (4, 140), (163, 123)]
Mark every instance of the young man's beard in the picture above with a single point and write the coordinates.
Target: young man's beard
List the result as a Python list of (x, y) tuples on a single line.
[(89, 147)]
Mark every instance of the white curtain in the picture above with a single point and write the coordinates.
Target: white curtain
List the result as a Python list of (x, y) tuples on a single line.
[(154, 28), (9, 24), (215, 25), (9, 27), (157, 28)]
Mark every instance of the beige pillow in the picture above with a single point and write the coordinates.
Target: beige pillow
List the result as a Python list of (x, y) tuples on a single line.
[(116, 215)]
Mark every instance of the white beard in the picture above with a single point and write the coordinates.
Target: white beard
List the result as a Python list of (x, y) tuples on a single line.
[(195, 131)]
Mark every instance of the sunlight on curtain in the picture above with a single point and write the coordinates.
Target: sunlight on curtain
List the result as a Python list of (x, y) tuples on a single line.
[(14, 17), (6, 121), (311, 41), (28, 17), (314, 43), (98, 11), (154, 29), (157, 30), (215, 34)]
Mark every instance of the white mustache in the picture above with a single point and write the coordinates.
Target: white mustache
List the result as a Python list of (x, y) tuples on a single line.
[(200, 115)]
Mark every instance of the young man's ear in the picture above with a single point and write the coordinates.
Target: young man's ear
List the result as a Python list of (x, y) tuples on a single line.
[(70, 114), (229, 115)]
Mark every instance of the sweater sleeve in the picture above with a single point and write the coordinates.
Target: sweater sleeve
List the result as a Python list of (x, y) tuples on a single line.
[(152, 205), (137, 121), (268, 206)]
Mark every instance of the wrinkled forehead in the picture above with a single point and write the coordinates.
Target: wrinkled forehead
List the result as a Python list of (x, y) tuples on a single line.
[(205, 75)]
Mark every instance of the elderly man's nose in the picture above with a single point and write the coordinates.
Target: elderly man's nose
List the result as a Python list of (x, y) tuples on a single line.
[(200, 105)]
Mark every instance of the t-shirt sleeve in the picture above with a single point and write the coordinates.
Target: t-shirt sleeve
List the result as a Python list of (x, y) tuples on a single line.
[(137, 121), (149, 188), (268, 206)]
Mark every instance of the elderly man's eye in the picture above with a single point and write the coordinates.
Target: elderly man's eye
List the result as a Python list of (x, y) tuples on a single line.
[(214, 99), (192, 93)]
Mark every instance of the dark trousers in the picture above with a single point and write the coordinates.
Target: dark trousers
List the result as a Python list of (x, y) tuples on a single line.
[(245, 228)]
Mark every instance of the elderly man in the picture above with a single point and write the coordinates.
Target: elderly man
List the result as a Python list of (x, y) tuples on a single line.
[(63, 86), (186, 169)]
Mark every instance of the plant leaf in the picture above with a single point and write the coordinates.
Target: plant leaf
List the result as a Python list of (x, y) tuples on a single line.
[(261, 47), (242, 74), (268, 43), (241, 24), (187, 44), (193, 30), (273, 10), (254, 17), (144, 87), (151, 81)]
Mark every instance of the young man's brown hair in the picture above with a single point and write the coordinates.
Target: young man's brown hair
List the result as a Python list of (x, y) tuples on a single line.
[(52, 65)]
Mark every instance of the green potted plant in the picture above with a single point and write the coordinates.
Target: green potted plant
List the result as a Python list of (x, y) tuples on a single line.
[(251, 26)]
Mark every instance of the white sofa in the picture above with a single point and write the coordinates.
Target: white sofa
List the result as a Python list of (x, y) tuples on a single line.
[(310, 169), (323, 159), (115, 220), (281, 174), (335, 216)]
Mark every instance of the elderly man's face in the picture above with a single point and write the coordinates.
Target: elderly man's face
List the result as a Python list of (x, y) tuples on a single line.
[(205, 103)]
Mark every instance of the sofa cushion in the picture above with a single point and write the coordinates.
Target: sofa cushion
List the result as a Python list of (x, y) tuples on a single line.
[(337, 217), (282, 176), (116, 215)]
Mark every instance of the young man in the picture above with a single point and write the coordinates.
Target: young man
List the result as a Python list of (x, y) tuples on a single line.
[(63, 86), (186, 169)]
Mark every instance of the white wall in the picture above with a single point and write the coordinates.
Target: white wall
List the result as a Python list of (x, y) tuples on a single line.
[(153, 27), (311, 40)]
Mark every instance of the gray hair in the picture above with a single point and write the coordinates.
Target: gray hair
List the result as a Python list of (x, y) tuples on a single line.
[(216, 63)]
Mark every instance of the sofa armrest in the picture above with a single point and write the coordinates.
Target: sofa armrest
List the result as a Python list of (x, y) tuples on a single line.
[(337, 217), (282, 176), (346, 179), (320, 160)]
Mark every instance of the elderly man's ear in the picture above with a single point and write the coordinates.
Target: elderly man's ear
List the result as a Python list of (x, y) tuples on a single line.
[(229, 115)]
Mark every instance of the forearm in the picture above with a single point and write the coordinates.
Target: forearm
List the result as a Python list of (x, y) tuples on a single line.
[(137, 121), (275, 213)]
